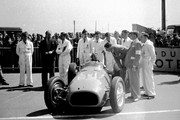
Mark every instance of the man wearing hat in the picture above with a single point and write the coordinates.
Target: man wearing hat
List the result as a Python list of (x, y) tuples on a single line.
[(109, 59), (147, 62), (25, 50), (63, 50), (48, 53), (84, 48), (97, 47), (132, 63)]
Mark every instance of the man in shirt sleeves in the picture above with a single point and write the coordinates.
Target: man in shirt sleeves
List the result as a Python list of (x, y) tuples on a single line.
[(147, 62)]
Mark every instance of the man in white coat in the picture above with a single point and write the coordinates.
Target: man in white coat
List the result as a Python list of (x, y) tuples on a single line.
[(109, 59), (84, 48), (147, 62), (25, 50), (63, 50), (98, 47)]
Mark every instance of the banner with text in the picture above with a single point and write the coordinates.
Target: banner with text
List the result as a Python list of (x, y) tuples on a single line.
[(167, 59)]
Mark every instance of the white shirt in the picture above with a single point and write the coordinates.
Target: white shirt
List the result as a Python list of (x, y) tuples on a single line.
[(66, 46), (23, 48), (126, 42)]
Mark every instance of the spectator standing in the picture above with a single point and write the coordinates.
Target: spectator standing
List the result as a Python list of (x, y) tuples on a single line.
[(6, 40), (2, 80), (97, 47), (125, 39), (25, 50), (63, 49), (84, 48), (48, 53), (132, 62), (1, 40), (117, 37), (109, 60), (147, 62)]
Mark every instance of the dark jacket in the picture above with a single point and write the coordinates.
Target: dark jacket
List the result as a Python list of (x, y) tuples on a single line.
[(46, 46), (133, 55), (119, 53)]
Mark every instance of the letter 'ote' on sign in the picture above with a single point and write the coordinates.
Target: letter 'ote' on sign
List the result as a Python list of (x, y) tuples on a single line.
[(159, 63), (169, 62), (178, 64)]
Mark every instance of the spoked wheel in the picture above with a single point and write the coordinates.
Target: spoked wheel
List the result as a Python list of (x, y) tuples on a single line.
[(117, 94), (55, 94)]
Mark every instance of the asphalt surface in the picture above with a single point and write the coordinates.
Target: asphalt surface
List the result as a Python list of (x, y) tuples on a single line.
[(24, 103)]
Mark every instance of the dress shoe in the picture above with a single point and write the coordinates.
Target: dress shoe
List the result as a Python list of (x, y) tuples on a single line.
[(135, 100), (21, 86), (29, 85)]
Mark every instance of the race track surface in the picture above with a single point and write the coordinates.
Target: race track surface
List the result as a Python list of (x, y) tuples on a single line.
[(23, 103)]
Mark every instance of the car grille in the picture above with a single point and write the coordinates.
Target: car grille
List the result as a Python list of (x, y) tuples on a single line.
[(84, 99)]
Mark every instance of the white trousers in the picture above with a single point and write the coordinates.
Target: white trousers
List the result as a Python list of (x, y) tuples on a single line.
[(84, 58), (148, 77), (64, 62), (25, 63), (109, 61)]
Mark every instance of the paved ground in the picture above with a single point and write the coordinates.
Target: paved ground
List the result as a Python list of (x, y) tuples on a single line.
[(18, 103)]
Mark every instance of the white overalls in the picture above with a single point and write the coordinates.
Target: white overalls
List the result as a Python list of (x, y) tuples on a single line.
[(63, 49), (147, 62), (84, 51), (98, 48), (109, 59), (25, 51)]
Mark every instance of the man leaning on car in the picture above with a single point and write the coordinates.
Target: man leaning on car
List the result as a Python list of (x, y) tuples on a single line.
[(119, 53)]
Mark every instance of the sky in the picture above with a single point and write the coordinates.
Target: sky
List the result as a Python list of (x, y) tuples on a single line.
[(37, 16)]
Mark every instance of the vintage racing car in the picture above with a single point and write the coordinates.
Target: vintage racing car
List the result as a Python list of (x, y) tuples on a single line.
[(89, 89)]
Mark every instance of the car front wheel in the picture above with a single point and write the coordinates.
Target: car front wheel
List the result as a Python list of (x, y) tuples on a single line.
[(117, 94)]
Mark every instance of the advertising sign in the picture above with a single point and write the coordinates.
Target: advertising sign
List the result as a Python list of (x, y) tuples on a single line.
[(167, 59)]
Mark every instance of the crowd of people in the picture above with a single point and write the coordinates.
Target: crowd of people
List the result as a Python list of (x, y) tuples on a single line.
[(131, 52), (160, 38)]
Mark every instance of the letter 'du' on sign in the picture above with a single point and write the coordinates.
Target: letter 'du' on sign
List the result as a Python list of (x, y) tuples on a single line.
[(173, 54), (163, 53)]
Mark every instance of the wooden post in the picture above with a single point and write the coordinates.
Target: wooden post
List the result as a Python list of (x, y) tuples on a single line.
[(163, 14)]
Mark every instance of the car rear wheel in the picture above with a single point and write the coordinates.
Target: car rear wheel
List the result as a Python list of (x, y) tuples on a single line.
[(117, 94), (54, 95), (72, 72)]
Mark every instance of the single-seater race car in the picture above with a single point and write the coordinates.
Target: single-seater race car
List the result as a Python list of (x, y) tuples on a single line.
[(89, 89)]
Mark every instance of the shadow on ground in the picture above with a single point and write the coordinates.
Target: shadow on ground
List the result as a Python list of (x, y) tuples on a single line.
[(170, 82), (56, 115), (24, 89)]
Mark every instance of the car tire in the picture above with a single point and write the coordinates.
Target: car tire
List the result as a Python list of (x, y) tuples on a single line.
[(72, 72), (51, 98), (117, 94)]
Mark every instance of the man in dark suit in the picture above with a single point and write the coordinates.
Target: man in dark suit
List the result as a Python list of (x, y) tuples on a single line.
[(48, 53)]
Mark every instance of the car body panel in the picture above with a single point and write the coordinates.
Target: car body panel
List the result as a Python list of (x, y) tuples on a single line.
[(92, 79)]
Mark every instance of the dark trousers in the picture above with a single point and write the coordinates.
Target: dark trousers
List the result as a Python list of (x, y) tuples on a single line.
[(48, 66), (1, 75)]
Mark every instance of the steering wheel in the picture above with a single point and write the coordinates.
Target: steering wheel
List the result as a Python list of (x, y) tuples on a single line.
[(94, 57)]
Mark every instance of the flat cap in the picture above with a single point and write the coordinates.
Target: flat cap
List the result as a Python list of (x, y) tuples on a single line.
[(134, 32), (145, 34)]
